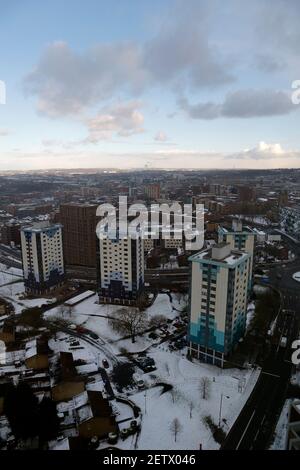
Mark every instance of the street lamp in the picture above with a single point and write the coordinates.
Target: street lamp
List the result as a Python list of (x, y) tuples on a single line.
[(145, 396), (220, 412)]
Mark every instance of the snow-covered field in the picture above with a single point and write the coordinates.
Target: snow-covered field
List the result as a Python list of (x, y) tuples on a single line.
[(258, 289), (9, 275), (281, 429), (95, 317), (185, 402), (250, 313), (12, 289)]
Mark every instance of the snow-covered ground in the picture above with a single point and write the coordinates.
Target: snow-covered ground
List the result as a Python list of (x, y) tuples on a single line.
[(281, 428), (95, 317), (250, 313), (12, 289), (259, 220), (258, 289), (8, 275), (185, 401), (295, 379)]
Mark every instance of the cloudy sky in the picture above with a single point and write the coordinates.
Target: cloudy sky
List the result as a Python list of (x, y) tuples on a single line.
[(160, 83)]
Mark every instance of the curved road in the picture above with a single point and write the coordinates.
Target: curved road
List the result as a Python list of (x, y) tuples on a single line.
[(254, 426)]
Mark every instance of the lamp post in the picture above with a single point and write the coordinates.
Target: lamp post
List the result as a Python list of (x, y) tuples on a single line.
[(145, 395), (220, 412)]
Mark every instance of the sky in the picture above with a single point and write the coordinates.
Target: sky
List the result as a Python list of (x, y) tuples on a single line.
[(149, 84)]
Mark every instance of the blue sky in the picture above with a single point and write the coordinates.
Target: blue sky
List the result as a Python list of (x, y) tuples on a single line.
[(166, 83)]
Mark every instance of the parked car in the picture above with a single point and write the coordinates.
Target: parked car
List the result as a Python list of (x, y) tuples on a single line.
[(146, 363)]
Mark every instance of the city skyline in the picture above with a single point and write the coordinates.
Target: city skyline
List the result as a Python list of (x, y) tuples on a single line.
[(136, 85)]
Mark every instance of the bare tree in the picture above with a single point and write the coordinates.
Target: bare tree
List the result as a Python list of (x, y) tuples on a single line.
[(191, 406), (63, 310), (157, 320), (69, 310), (177, 296), (167, 368), (175, 428), (143, 301), (128, 321), (176, 395), (204, 387)]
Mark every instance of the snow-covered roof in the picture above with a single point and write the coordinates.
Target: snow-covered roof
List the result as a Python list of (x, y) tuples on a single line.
[(87, 368), (80, 297), (31, 349)]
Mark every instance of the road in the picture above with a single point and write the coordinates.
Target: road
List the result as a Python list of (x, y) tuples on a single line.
[(254, 426), (11, 257), (99, 344)]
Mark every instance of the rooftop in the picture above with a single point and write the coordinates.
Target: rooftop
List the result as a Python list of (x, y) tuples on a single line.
[(230, 229), (220, 254), (41, 226)]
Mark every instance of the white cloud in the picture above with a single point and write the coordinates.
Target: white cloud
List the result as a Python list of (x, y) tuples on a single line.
[(180, 55), (264, 151), (264, 155), (247, 103), (122, 119), (182, 52), (67, 83), (160, 137), (4, 132)]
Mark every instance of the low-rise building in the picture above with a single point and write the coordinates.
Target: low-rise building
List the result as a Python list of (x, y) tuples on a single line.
[(36, 354)]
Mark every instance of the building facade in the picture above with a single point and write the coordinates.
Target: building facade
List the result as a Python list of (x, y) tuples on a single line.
[(218, 302), (42, 256), (10, 234), (79, 233), (120, 270), (152, 191)]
